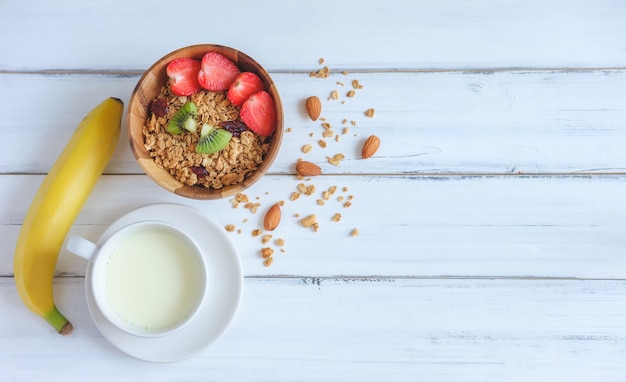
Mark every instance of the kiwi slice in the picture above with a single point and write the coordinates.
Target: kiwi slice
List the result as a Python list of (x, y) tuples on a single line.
[(184, 119), (212, 139)]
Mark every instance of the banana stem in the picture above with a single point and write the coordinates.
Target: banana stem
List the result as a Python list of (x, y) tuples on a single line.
[(59, 322)]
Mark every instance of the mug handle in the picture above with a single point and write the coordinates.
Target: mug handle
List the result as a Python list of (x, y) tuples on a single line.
[(82, 247)]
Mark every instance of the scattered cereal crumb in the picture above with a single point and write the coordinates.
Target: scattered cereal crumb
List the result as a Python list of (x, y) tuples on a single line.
[(310, 190), (344, 189), (230, 228), (347, 204), (280, 242), (321, 61), (336, 217), (245, 220), (344, 121), (340, 83), (322, 73), (326, 195), (356, 84), (266, 238), (256, 232), (282, 250), (267, 262), (332, 189), (353, 123), (350, 93), (369, 113), (297, 215), (340, 198), (309, 221), (289, 130), (355, 232), (345, 72), (267, 252), (239, 231), (281, 203), (345, 130), (320, 202)]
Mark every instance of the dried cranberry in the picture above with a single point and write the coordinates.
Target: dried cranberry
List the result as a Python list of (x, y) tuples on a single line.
[(200, 171), (159, 107), (235, 127)]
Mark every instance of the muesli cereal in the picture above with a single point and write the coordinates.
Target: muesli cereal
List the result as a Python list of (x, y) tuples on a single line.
[(176, 153)]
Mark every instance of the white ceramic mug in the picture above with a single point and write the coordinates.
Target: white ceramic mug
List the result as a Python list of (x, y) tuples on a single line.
[(148, 278)]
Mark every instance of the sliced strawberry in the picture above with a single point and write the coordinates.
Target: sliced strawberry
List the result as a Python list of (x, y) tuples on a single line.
[(183, 75), (217, 72), (258, 112), (245, 85)]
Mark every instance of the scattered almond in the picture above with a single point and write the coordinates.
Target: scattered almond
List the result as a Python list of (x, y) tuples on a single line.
[(370, 146), (313, 107), (304, 168), (272, 218)]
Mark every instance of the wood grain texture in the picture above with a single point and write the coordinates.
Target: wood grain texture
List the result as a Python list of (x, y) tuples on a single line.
[(358, 329), (491, 219), (369, 35), (409, 226), (533, 122)]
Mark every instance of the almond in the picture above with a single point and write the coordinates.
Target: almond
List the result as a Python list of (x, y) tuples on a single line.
[(313, 107), (371, 145), (304, 168), (272, 218)]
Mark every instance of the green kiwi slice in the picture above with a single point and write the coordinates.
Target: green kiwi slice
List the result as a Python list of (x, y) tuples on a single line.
[(212, 139), (184, 119)]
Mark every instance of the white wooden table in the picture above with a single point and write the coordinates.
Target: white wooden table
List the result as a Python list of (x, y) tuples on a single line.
[(492, 220)]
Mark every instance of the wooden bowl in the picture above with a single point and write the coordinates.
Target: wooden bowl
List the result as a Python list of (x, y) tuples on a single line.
[(148, 88)]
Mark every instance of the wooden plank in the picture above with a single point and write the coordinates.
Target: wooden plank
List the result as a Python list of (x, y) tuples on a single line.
[(534, 122), (355, 329), (409, 226), (372, 35)]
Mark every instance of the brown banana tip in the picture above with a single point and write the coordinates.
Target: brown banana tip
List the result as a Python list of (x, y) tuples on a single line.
[(66, 329)]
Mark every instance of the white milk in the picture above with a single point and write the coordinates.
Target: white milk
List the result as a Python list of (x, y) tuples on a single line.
[(154, 279)]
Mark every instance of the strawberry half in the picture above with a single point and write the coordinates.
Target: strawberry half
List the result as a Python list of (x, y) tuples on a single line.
[(258, 112), (245, 85), (183, 76), (217, 72)]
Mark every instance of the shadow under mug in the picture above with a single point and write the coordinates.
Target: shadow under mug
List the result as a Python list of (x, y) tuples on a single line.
[(148, 279)]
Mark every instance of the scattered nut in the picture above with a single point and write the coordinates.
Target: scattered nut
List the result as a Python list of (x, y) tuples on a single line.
[(370, 146), (304, 168), (369, 113), (267, 262), (306, 148), (272, 218), (355, 232), (313, 107)]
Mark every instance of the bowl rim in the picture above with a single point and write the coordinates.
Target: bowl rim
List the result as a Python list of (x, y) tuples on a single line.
[(138, 111)]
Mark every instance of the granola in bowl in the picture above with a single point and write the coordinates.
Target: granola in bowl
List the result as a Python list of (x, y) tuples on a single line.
[(230, 138), (176, 153)]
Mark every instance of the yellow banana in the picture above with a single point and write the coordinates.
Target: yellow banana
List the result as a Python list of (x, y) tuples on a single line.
[(58, 201)]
